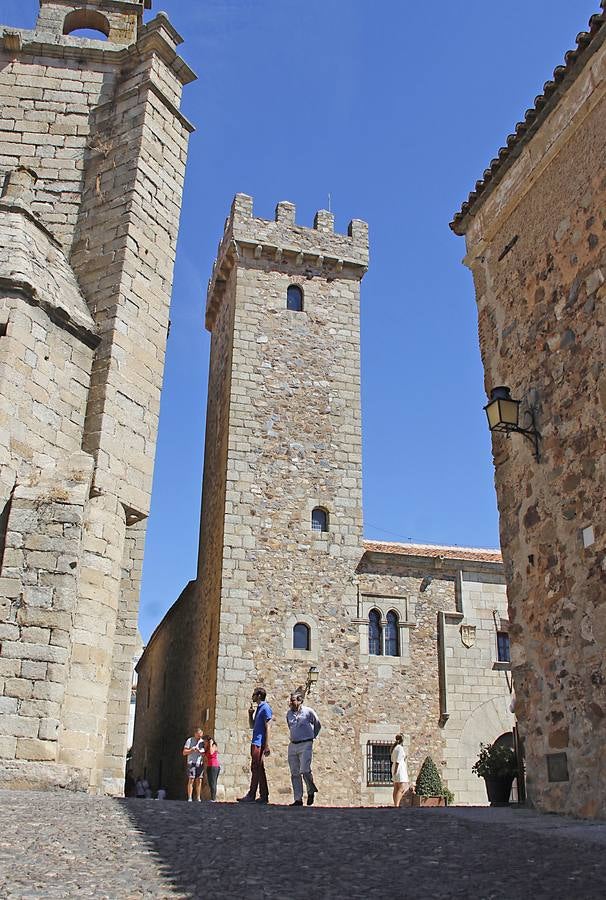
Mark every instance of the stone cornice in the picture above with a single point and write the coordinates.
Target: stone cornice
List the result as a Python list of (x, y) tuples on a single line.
[(18, 206), (58, 315)]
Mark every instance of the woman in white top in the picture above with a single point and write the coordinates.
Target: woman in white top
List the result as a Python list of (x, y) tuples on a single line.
[(399, 770)]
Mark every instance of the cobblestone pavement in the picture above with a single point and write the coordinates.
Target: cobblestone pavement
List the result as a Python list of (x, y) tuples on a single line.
[(67, 845)]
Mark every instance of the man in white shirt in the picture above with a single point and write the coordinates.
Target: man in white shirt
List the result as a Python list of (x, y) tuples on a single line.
[(304, 728), (193, 750)]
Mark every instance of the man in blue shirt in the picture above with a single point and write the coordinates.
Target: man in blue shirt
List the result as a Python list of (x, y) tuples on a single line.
[(304, 727), (260, 722)]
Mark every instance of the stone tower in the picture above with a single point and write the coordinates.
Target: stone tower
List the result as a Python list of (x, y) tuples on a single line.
[(285, 580), (92, 157), (283, 439)]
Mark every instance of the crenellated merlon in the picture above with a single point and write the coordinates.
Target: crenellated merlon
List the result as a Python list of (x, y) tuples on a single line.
[(284, 244)]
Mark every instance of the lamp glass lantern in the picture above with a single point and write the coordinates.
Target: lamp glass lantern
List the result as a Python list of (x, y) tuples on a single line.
[(502, 411), (312, 678)]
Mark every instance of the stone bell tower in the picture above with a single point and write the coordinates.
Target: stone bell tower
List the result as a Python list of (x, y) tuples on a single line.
[(92, 158), (281, 527)]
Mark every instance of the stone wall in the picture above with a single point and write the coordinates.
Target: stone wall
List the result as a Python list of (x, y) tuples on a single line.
[(478, 686), (537, 248), (92, 159)]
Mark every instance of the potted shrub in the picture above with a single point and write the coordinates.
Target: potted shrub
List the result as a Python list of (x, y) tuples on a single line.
[(429, 790), (498, 766)]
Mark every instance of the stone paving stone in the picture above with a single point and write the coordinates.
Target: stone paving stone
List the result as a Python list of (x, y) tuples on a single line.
[(73, 845)]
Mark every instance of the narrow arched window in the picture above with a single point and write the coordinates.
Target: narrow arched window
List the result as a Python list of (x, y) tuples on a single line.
[(392, 634), (301, 637), (319, 519), (375, 633), (294, 298)]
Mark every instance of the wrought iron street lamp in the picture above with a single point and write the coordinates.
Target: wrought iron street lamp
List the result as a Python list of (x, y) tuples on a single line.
[(312, 678), (503, 414)]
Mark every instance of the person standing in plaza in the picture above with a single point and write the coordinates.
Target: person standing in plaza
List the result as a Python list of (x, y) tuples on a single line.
[(304, 728), (193, 750), (211, 766), (260, 722), (399, 770)]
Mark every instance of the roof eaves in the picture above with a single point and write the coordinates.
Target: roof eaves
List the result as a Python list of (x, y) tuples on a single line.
[(563, 77)]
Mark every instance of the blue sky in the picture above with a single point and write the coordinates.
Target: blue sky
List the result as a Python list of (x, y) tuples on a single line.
[(395, 108)]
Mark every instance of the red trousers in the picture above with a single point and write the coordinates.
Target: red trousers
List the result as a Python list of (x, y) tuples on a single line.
[(258, 778)]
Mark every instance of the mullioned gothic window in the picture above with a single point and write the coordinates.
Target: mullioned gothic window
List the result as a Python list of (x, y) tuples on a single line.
[(294, 298)]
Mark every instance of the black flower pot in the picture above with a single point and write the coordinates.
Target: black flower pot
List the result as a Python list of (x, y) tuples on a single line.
[(499, 789)]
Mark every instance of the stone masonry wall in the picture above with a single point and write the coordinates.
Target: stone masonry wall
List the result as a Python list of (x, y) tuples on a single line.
[(478, 685), (92, 157), (537, 248)]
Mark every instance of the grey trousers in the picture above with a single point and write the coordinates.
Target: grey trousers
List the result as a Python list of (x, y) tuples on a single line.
[(299, 760)]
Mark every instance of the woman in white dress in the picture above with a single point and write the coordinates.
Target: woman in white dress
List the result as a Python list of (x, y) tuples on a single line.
[(399, 770)]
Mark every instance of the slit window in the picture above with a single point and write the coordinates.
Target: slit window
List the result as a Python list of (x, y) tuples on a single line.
[(301, 636), (294, 298)]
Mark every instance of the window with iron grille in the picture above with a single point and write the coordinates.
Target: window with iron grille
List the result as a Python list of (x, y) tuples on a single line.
[(503, 654), (378, 763)]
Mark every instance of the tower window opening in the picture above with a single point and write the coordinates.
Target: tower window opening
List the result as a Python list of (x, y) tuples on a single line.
[(319, 519), (375, 633), (294, 298), (301, 637)]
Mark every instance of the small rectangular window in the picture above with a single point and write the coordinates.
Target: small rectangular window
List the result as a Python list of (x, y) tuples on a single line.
[(503, 654), (378, 763)]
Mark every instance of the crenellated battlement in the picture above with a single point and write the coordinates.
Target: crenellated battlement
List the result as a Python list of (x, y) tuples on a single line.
[(282, 243)]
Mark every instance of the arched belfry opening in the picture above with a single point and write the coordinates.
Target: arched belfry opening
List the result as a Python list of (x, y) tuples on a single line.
[(93, 23), (117, 21)]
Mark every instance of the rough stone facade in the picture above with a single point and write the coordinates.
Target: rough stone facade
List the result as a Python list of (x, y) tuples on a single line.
[(283, 438), (92, 158), (536, 245)]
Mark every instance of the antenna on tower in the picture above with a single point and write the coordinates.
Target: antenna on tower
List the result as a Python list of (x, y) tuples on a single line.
[(329, 203)]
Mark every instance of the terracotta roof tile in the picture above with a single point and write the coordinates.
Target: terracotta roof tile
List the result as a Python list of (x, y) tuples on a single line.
[(434, 551), (563, 77)]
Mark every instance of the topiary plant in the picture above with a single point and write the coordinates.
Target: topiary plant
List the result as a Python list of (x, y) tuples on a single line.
[(429, 783)]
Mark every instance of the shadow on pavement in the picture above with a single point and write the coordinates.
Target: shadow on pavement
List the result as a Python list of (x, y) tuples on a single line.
[(232, 851)]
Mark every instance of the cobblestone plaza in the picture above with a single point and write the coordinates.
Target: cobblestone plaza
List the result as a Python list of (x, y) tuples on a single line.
[(70, 845)]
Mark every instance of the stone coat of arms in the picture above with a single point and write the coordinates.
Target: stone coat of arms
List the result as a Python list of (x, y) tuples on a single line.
[(468, 635)]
